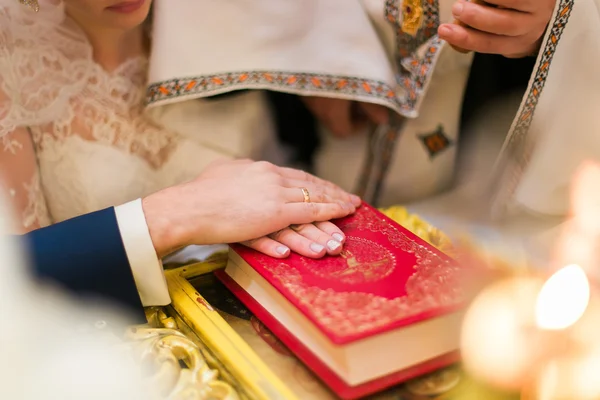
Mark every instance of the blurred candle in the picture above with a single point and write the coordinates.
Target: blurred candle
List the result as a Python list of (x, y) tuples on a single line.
[(580, 236), (499, 343), (525, 329), (516, 325), (569, 377), (563, 299), (572, 375)]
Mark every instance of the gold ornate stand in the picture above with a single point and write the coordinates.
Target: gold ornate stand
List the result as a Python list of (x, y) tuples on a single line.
[(195, 351)]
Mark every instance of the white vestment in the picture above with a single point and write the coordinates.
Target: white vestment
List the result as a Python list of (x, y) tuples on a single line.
[(551, 135), (350, 49), (363, 51), (555, 128)]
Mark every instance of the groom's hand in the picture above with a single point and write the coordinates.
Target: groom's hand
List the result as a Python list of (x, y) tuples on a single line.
[(238, 201), (512, 28)]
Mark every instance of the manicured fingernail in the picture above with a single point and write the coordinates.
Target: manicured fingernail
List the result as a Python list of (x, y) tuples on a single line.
[(282, 250), (445, 30), (333, 245), (316, 247), (338, 237), (457, 9)]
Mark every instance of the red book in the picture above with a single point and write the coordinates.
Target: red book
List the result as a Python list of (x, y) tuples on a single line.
[(386, 310)]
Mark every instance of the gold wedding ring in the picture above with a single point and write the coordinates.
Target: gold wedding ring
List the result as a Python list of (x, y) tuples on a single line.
[(306, 195)]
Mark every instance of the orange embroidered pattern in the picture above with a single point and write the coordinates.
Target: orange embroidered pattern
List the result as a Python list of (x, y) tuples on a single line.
[(414, 69), (406, 43), (276, 80), (435, 142), (414, 72), (412, 79)]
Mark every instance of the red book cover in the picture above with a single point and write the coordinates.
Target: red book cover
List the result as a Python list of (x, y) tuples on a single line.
[(385, 278), (322, 371)]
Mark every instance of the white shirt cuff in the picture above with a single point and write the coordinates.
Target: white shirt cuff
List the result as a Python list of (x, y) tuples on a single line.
[(147, 269)]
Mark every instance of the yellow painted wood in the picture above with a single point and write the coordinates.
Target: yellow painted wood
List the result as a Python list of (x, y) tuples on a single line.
[(240, 360)]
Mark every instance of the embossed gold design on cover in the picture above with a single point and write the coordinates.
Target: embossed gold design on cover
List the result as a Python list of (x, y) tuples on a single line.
[(361, 261), (434, 284), (161, 350), (412, 16)]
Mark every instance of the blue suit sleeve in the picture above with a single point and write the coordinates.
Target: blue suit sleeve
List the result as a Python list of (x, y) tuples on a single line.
[(86, 256)]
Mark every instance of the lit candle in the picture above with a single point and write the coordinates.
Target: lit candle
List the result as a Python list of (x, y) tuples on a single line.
[(573, 374), (524, 329), (498, 343), (515, 325), (569, 377)]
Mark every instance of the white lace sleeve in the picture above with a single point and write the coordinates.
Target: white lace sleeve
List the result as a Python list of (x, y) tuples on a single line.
[(20, 180), (34, 89), (43, 64)]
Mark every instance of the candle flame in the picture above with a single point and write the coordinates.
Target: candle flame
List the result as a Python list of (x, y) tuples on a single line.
[(563, 299)]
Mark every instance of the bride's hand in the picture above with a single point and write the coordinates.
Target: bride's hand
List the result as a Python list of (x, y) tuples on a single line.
[(310, 240), (236, 201)]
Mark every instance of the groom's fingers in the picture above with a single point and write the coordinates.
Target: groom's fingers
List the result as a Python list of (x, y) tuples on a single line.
[(305, 213), (268, 246), (295, 194), (317, 193), (296, 179)]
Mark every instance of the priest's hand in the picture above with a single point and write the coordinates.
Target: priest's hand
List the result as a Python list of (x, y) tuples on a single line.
[(237, 201), (344, 117), (512, 28)]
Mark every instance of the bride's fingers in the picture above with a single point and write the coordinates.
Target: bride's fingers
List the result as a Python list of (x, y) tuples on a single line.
[(317, 235), (332, 230), (299, 243), (307, 239), (268, 246)]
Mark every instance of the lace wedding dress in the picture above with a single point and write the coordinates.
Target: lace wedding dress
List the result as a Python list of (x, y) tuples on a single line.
[(75, 138)]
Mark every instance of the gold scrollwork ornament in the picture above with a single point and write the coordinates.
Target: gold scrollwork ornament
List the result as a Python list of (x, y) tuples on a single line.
[(161, 349), (412, 16), (33, 4)]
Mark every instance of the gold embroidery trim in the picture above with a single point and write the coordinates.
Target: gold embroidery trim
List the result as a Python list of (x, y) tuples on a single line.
[(412, 16)]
